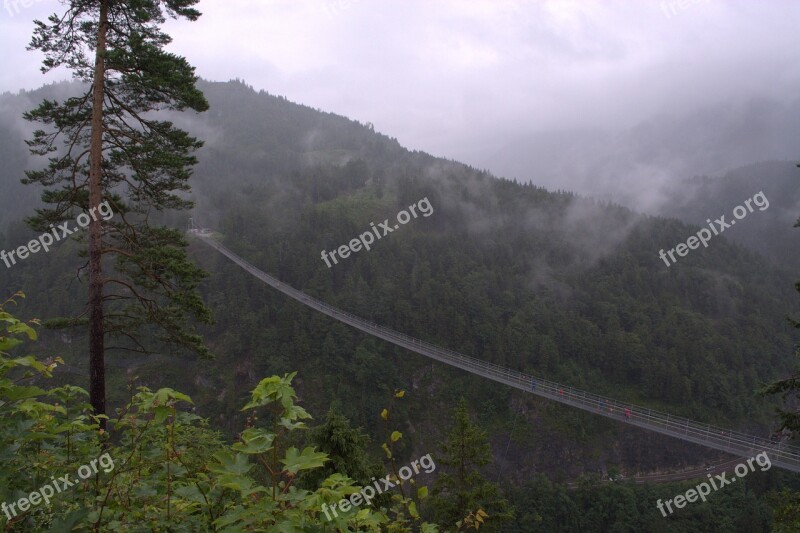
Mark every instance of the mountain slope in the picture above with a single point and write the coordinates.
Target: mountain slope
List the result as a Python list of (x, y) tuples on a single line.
[(549, 283), (769, 231)]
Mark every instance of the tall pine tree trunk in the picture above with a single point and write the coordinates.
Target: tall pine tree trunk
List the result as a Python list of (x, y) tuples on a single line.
[(153, 153), (97, 371)]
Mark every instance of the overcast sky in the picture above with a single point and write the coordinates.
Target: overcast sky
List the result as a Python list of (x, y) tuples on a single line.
[(452, 76)]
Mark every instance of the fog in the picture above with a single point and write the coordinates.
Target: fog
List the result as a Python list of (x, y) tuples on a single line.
[(608, 98)]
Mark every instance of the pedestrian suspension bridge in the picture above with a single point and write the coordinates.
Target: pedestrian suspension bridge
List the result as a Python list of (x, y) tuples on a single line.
[(739, 444)]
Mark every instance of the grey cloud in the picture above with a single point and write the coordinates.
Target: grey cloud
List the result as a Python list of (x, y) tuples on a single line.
[(472, 80)]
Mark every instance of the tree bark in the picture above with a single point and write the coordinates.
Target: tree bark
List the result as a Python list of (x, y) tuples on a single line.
[(97, 371)]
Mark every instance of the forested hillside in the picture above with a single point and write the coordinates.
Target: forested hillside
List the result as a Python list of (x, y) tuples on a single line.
[(770, 232), (548, 283)]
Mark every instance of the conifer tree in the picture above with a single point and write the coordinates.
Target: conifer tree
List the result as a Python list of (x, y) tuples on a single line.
[(460, 488), (106, 146), (346, 447)]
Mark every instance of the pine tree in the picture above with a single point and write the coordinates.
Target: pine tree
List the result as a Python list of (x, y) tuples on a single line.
[(346, 448), (109, 154), (460, 488)]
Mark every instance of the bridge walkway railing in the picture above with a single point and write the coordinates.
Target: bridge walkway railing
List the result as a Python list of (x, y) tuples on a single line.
[(737, 443)]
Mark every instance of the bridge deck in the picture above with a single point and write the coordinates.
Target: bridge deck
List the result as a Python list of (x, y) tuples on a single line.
[(740, 444)]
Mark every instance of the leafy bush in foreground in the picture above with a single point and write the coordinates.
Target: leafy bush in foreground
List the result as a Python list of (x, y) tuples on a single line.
[(170, 471)]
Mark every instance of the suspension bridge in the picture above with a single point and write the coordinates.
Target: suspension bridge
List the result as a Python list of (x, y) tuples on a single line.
[(740, 444)]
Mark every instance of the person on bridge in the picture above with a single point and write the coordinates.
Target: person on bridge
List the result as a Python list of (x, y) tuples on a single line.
[(627, 413), (533, 384)]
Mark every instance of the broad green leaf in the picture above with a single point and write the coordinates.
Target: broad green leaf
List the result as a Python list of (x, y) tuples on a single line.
[(230, 463), (21, 327), (255, 441), (336, 480), (7, 343), (30, 362), (162, 413), (309, 458), (295, 412), (285, 422), (273, 389), (20, 393), (167, 395)]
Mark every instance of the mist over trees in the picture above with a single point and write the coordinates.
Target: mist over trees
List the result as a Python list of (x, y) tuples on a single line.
[(296, 413)]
